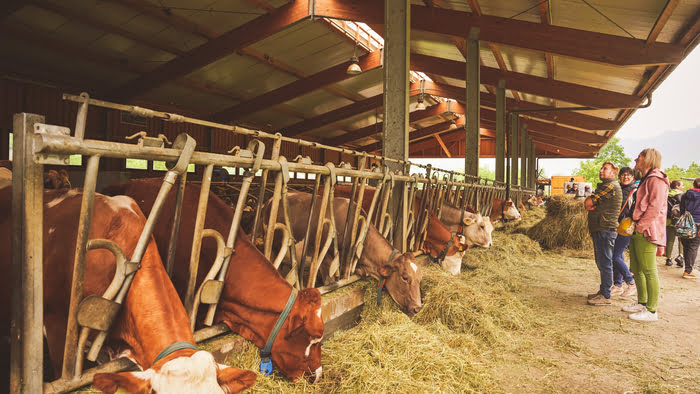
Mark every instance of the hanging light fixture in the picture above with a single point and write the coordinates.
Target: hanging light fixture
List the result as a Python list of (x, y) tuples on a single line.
[(421, 102), (354, 67)]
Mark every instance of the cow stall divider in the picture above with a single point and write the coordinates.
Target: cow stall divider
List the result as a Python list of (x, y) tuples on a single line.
[(37, 144)]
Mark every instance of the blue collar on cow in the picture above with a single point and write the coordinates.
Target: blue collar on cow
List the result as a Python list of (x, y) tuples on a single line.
[(382, 282), (442, 254), (266, 352), (179, 345)]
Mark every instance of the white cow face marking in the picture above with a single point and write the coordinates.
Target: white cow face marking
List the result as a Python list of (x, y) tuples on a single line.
[(318, 313), (414, 266), (452, 264), (319, 373), (308, 348), (195, 374)]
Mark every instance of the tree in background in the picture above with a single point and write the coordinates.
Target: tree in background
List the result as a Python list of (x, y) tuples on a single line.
[(612, 152), (692, 172)]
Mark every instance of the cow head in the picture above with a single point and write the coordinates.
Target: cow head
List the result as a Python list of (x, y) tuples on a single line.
[(477, 230), (183, 371), (57, 180), (403, 282), (533, 201), (510, 212), (297, 348)]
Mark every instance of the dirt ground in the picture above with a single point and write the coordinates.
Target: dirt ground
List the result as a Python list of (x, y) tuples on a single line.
[(598, 349)]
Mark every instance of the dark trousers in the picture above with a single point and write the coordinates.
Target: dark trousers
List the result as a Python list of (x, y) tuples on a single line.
[(690, 252)]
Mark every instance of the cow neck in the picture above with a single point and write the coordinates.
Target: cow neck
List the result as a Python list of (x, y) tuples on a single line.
[(375, 253), (154, 318), (381, 285), (252, 309), (444, 216)]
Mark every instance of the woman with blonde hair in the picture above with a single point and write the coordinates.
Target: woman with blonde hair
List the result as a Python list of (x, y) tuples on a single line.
[(650, 215)]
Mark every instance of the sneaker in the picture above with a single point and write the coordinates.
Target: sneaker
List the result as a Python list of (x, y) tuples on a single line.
[(680, 261), (644, 315), (599, 300), (691, 275), (630, 290), (669, 262), (636, 307), (594, 295), (616, 291)]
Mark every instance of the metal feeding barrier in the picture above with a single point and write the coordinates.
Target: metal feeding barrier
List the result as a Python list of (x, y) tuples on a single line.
[(37, 144)]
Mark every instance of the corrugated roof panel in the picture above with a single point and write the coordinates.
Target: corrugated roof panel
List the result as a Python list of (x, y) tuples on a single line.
[(242, 75), (219, 16), (437, 45), (308, 46), (184, 97), (522, 61), (635, 16), (617, 79), (317, 102), (526, 10)]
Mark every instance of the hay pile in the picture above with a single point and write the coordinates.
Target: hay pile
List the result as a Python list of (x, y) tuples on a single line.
[(565, 226), (530, 217)]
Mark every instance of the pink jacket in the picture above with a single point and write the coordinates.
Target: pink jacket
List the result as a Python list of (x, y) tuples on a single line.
[(650, 209)]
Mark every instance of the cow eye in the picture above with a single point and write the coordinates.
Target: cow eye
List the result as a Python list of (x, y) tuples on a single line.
[(482, 226), (405, 278)]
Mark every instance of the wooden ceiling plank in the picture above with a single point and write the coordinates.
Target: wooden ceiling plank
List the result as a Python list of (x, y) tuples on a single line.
[(89, 21), (442, 145), (579, 94), (8, 8), (297, 88), (165, 15), (661, 21), (263, 5), (279, 65), (582, 44), (215, 49)]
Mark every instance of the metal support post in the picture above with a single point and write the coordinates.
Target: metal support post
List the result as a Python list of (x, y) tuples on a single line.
[(471, 124), (500, 130), (514, 126)]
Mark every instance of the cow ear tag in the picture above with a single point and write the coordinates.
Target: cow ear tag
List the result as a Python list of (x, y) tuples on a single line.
[(266, 366), (468, 221)]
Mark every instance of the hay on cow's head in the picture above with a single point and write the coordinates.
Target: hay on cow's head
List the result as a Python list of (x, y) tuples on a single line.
[(565, 226)]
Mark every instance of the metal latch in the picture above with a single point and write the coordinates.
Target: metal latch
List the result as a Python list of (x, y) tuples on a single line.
[(151, 142)]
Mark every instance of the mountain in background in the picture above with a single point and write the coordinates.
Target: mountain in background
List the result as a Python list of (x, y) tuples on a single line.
[(677, 147)]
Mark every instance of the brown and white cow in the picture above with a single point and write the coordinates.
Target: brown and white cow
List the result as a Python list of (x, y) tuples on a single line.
[(504, 210), (152, 318), (402, 273), (57, 180), (476, 231), (254, 292)]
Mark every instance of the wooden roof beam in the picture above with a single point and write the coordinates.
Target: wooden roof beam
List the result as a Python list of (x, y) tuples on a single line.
[(570, 118), (565, 91), (226, 44), (297, 88), (581, 44), (661, 21), (370, 130), (442, 145), (341, 113)]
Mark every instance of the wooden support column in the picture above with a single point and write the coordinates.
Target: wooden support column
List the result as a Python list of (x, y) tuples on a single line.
[(397, 22), (471, 121), (501, 131), (514, 125), (523, 155)]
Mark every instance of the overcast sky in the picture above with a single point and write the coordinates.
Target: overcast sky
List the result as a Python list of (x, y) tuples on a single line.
[(673, 116)]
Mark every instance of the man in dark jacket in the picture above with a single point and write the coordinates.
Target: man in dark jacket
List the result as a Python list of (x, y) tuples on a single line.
[(690, 202), (603, 207)]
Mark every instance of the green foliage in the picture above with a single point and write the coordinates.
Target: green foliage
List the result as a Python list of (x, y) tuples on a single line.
[(692, 172), (613, 152), (485, 172)]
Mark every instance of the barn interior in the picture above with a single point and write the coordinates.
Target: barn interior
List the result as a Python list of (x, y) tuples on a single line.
[(484, 78)]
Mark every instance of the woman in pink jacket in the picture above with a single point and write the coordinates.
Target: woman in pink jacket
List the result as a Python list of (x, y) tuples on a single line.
[(650, 215)]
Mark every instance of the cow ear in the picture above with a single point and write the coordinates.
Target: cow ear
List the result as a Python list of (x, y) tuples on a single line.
[(234, 380), (109, 383), (386, 270)]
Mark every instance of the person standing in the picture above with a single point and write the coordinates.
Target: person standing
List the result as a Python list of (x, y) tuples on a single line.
[(674, 198), (603, 207), (650, 215), (621, 272), (690, 202)]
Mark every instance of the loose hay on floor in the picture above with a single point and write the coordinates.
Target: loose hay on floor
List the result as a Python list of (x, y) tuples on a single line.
[(565, 226)]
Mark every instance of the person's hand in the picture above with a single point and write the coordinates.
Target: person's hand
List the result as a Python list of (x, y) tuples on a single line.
[(588, 204)]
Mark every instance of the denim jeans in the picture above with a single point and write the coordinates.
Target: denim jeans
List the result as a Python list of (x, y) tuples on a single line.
[(603, 244), (620, 271)]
